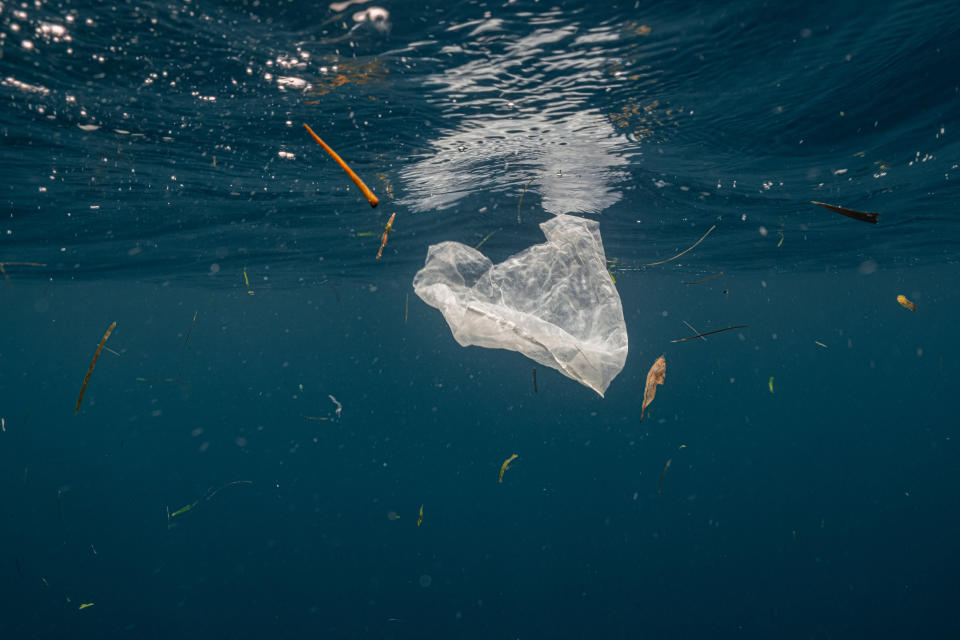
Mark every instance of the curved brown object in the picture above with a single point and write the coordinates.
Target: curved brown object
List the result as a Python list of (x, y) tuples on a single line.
[(93, 363), (656, 376)]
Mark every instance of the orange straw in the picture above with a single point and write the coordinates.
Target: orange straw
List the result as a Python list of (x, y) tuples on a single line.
[(372, 199)]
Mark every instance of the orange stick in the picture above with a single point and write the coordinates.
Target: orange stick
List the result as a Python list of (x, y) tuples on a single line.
[(386, 233), (372, 199)]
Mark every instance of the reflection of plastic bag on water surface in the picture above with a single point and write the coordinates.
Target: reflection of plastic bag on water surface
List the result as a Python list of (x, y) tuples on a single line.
[(553, 302)]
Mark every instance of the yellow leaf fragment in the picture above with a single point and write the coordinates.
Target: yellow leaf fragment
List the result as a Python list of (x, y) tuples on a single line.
[(247, 281), (420, 517), (182, 510), (656, 375), (906, 303), (771, 384), (85, 605), (506, 465)]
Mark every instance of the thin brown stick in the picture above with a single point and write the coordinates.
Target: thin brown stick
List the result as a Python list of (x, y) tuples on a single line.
[(710, 333), (653, 264), (18, 264), (713, 277), (93, 363), (372, 199)]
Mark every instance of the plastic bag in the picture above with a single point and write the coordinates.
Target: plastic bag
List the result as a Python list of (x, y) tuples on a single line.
[(553, 302)]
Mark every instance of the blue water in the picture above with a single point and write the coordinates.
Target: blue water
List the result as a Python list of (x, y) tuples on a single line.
[(155, 172)]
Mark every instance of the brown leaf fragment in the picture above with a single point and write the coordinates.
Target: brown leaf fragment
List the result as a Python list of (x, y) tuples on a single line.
[(850, 213), (93, 363), (656, 375)]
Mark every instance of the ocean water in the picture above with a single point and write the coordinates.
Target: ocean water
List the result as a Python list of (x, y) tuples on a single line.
[(275, 405)]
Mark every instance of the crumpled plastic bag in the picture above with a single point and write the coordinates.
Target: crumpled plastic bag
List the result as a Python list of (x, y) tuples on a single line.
[(553, 302)]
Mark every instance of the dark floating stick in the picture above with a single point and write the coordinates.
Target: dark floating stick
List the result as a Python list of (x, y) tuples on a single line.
[(93, 363), (863, 216), (713, 277), (190, 330), (710, 333), (662, 474), (535, 380)]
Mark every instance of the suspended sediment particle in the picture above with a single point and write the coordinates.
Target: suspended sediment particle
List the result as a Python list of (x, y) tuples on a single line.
[(863, 216), (656, 376), (367, 193), (93, 363)]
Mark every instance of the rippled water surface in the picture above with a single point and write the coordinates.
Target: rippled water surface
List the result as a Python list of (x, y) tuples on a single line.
[(156, 172)]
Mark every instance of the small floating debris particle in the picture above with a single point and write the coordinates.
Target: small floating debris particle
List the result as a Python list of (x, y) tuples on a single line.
[(692, 247), (339, 406), (714, 276), (906, 303), (655, 376), (523, 193), (710, 333), (662, 475), (247, 281), (506, 465), (386, 234)]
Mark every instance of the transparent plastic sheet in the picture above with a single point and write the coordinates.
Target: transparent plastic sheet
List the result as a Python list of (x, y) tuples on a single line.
[(553, 302)]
